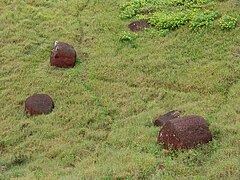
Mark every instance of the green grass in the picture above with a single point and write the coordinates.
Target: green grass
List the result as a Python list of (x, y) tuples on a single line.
[(101, 127)]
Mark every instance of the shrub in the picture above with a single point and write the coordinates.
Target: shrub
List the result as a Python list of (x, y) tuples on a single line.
[(187, 3), (134, 7), (128, 39), (162, 32), (203, 19), (228, 22), (130, 9), (171, 22), (170, 15)]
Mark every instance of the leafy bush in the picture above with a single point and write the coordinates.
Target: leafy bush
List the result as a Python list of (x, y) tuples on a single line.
[(176, 2), (171, 22), (170, 15), (128, 37), (187, 3), (135, 7), (128, 12), (203, 19), (228, 22), (130, 9)]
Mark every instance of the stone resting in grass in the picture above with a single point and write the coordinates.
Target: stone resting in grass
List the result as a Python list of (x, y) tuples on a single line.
[(38, 104), (184, 133), (138, 25), (161, 120), (63, 55)]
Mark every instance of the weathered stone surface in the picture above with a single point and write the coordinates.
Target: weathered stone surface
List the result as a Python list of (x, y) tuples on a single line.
[(3, 168), (161, 120), (138, 25), (38, 104), (161, 167), (63, 55), (184, 133)]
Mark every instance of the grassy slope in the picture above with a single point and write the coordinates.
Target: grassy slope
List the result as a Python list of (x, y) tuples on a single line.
[(101, 126)]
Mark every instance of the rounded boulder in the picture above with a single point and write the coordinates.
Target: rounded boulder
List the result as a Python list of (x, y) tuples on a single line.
[(39, 104), (63, 55), (161, 120), (184, 133), (138, 25)]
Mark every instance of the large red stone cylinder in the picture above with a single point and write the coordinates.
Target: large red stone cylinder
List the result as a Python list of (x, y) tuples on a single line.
[(63, 55), (184, 133), (161, 120), (138, 25), (38, 104)]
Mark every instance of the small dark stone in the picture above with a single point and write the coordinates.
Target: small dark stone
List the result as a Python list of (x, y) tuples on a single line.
[(184, 133), (63, 55), (161, 120), (161, 167), (138, 25), (38, 104), (3, 168)]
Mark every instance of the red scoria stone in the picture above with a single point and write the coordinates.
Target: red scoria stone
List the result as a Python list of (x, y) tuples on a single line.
[(63, 55), (161, 120), (138, 25), (38, 104), (184, 133)]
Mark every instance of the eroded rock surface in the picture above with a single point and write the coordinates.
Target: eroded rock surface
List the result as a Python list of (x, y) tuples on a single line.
[(38, 104), (184, 133), (138, 25), (63, 55), (161, 120)]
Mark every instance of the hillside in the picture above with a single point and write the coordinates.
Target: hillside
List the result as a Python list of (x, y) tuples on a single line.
[(101, 126)]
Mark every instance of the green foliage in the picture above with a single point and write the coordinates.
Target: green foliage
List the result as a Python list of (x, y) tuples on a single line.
[(131, 8), (228, 22), (136, 7), (171, 22), (173, 14), (188, 3), (203, 19), (128, 38)]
